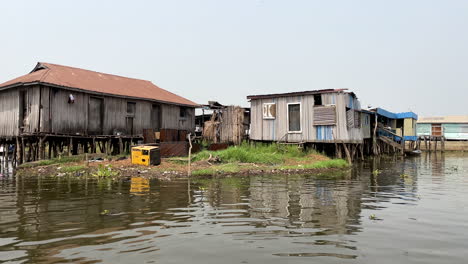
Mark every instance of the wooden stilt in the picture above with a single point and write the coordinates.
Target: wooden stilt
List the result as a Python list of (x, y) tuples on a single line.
[(120, 146), (442, 143), (348, 155)]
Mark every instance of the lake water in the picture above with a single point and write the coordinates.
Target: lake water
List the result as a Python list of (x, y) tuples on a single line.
[(414, 211)]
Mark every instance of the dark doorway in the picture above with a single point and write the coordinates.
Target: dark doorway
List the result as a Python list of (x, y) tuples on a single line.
[(95, 116), (156, 117), (131, 109), (23, 110)]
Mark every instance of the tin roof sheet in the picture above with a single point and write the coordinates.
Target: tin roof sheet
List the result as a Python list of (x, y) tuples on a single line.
[(65, 76)]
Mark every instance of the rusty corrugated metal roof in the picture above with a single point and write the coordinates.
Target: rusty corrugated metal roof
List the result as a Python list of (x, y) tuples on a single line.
[(265, 96), (70, 77), (443, 119)]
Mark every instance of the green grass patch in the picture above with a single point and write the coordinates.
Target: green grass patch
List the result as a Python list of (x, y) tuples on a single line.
[(52, 161), (259, 153), (325, 164), (216, 169)]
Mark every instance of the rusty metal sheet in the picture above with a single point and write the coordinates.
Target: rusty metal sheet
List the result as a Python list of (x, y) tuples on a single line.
[(71, 77), (174, 149)]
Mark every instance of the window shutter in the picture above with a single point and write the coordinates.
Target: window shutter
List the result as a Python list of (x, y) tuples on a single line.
[(324, 115), (350, 118), (357, 119)]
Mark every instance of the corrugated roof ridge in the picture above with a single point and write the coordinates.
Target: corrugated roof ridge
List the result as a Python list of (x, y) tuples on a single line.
[(70, 67)]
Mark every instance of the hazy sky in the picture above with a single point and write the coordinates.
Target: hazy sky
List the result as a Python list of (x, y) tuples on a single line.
[(400, 55)]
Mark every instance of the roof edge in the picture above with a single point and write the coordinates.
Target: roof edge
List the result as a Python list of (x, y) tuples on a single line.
[(14, 85)]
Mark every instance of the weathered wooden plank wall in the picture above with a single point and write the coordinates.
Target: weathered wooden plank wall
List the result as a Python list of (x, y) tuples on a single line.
[(49, 111), (232, 125), (9, 109), (171, 118), (68, 118)]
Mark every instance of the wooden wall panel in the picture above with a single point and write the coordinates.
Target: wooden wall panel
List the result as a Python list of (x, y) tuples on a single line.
[(9, 113), (68, 118)]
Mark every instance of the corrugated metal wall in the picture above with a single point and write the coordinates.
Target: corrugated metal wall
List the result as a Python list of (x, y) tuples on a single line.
[(276, 129), (9, 113)]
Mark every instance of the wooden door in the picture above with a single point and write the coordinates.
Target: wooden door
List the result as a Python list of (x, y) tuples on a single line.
[(129, 125), (156, 117), (436, 130), (95, 116)]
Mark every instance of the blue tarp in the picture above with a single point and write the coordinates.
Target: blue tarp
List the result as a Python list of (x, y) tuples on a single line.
[(391, 115)]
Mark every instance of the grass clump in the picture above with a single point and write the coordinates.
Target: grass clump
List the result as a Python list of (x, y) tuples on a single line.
[(325, 164), (224, 168), (259, 153), (105, 172), (59, 160)]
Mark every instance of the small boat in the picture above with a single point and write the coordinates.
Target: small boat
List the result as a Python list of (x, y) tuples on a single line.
[(413, 152)]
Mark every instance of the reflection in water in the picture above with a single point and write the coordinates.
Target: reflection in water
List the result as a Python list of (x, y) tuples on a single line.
[(253, 219)]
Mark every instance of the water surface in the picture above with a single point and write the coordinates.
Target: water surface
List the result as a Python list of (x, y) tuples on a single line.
[(414, 211)]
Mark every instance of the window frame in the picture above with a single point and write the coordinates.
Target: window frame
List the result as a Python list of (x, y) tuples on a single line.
[(269, 118), (300, 117), (128, 114), (183, 109)]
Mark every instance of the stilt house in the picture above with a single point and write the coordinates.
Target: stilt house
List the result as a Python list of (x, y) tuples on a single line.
[(61, 106), (320, 116), (54, 99)]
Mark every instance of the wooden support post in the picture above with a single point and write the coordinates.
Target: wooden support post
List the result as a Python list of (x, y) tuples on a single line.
[(55, 148), (109, 146), (430, 139), (49, 146), (23, 150), (121, 148), (361, 148), (30, 149), (348, 155), (374, 139), (442, 143), (189, 137), (93, 147), (435, 143), (70, 146), (19, 151), (41, 148)]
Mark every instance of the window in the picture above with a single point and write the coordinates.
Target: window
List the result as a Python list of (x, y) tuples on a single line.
[(294, 117), (318, 99), (131, 109), (269, 111), (183, 112)]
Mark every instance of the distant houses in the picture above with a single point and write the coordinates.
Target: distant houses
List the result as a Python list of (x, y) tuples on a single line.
[(450, 127)]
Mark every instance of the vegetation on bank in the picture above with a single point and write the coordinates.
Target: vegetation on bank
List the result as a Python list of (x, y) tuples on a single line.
[(243, 159)]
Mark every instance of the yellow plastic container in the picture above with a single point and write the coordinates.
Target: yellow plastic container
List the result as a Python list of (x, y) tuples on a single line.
[(146, 155)]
